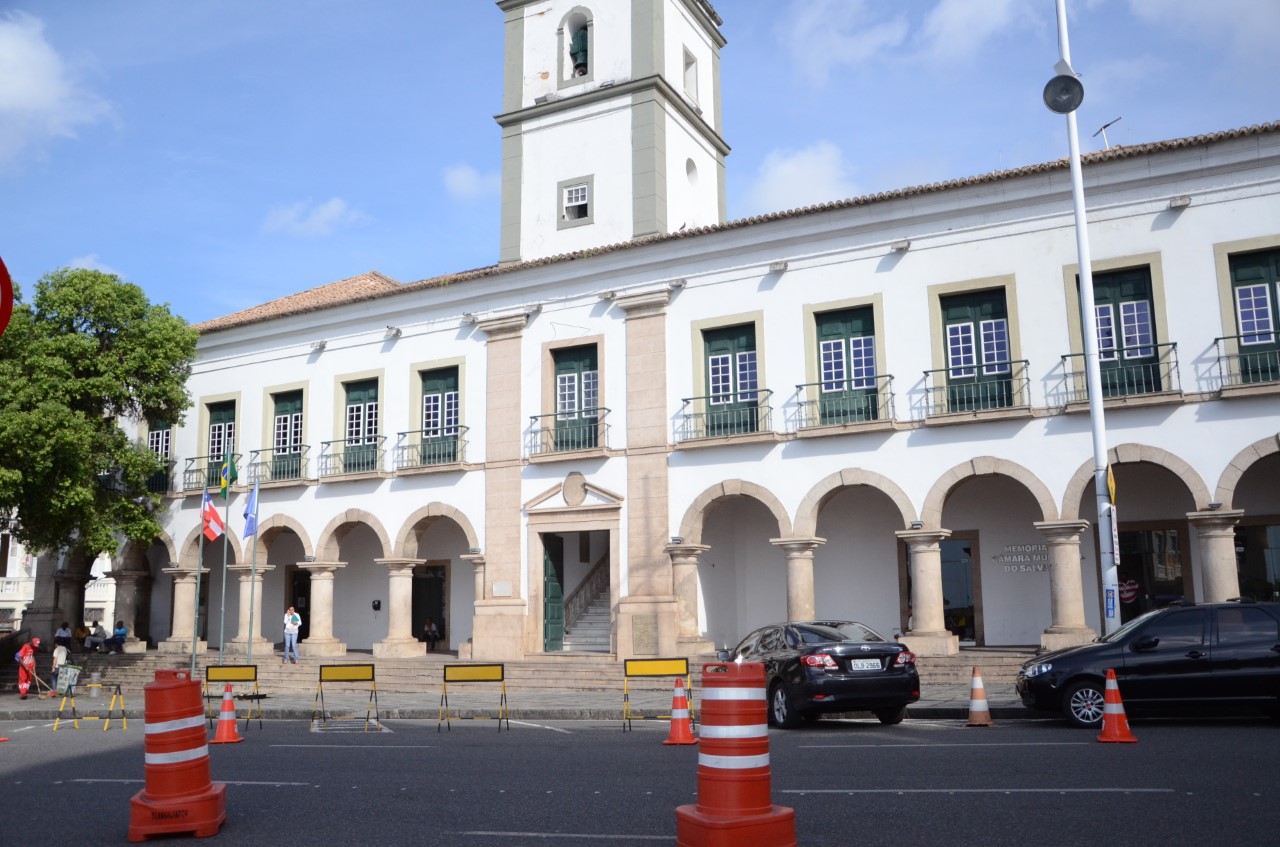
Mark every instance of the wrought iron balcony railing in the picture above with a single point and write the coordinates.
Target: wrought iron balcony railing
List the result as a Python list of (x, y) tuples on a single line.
[(1248, 359), (279, 464), (978, 388), (352, 455), (1122, 377), (205, 471), (161, 482), (845, 401), (586, 429), (723, 415), (426, 447)]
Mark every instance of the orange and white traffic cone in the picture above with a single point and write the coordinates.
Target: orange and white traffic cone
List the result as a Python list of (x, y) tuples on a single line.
[(1115, 726), (979, 714), (681, 725), (227, 733)]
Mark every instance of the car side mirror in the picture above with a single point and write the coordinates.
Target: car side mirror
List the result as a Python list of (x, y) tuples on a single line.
[(722, 655), (1149, 642)]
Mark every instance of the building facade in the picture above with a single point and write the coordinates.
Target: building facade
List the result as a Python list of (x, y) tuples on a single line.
[(646, 431)]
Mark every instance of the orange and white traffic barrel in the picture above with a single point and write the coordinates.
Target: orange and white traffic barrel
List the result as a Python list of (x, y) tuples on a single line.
[(735, 804), (179, 796)]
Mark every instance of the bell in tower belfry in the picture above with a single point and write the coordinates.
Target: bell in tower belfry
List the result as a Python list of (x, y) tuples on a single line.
[(578, 52)]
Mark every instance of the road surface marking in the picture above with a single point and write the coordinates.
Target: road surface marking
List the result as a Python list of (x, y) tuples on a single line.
[(949, 744), (541, 726), (568, 835), (978, 791), (358, 746)]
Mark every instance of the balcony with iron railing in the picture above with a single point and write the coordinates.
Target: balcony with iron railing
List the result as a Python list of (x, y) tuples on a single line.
[(205, 472), (989, 387), (277, 465), (161, 482), (350, 456), (1155, 374), (430, 448), (1249, 360), (587, 429), (843, 402), (724, 416)]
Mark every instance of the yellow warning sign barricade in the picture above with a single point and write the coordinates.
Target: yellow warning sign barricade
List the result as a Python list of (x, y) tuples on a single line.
[(222, 674), (345, 674), (647, 669), (472, 673), (68, 692)]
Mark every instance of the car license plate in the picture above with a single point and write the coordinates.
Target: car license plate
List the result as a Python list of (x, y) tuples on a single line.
[(864, 664)]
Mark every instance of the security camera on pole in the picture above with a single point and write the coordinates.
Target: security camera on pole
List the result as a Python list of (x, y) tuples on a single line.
[(1064, 94)]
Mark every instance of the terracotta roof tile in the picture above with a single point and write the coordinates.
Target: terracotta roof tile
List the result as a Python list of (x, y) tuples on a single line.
[(373, 285)]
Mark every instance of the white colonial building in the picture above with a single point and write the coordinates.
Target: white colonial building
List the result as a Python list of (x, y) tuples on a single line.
[(647, 430)]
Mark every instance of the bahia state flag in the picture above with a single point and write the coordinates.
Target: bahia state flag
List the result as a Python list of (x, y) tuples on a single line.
[(213, 526)]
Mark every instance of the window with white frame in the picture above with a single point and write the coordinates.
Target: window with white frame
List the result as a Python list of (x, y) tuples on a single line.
[(576, 202)]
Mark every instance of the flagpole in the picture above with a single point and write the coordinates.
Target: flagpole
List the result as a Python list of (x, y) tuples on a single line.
[(253, 573), (228, 477), (195, 627)]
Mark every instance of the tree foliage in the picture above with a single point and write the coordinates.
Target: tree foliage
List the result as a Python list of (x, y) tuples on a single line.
[(87, 357)]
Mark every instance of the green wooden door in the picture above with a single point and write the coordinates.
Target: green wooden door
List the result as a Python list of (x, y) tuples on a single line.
[(847, 361), (1124, 319), (577, 398), (360, 453), (552, 592), (159, 437), (439, 416), (733, 381), (978, 366), (286, 454), (222, 437), (1255, 283)]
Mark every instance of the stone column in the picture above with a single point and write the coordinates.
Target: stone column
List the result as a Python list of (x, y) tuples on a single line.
[(928, 635), (126, 606), (1066, 592), (320, 641), (465, 650), (400, 641), (70, 594), (250, 587), (799, 551), (1216, 540), (684, 568), (184, 611)]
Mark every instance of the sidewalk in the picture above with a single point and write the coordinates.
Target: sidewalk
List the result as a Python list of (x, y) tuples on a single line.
[(481, 700)]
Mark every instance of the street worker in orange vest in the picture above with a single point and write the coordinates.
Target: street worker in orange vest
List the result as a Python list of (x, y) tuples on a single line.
[(26, 667)]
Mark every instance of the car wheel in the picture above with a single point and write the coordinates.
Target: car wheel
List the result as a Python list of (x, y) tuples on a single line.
[(781, 712), (1083, 703), (889, 717)]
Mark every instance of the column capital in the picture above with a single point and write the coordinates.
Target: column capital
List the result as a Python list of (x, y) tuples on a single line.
[(127, 577), (398, 563), (1216, 519), (685, 551), (503, 326), (793, 546), (248, 568), (181, 574), (74, 578), (476, 559), (1061, 530), (321, 568), (923, 537), (644, 303)]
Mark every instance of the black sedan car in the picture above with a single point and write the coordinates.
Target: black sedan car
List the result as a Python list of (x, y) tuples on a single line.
[(817, 667), (1184, 656)]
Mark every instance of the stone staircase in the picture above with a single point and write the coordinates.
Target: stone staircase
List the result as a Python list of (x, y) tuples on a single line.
[(591, 633)]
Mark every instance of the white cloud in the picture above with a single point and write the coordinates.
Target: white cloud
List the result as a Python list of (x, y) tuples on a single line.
[(91, 262), (39, 96), (464, 182), (789, 179), (305, 220), (959, 29), (821, 35), (1250, 28)]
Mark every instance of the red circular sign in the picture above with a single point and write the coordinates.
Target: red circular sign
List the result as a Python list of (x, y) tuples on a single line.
[(6, 297), (1128, 591)]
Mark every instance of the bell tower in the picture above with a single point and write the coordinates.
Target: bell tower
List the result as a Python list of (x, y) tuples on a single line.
[(610, 123)]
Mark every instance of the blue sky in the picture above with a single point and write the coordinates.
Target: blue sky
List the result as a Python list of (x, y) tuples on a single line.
[(222, 153)]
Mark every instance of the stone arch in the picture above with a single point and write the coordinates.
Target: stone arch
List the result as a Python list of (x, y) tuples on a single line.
[(691, 524), (807, 513), (1241, 462), (931, 515), (189, 555), (336, 531), (1130, 453), (407, 539), (277, 524), (134, 551)]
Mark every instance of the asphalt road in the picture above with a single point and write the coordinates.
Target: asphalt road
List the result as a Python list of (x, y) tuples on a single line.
[(588, 783)]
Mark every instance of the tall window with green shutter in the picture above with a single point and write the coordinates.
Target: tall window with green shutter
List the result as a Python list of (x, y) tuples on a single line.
[(361, 448), (158, 440), (439, 416), (577, 397), (1124, 320), (286, 437), (222, 437), (847, 363), (977, 338), (1255, 290), (733, 380)]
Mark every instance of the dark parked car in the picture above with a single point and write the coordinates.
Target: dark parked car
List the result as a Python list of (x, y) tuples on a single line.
[(1183, 656), (816, 667)]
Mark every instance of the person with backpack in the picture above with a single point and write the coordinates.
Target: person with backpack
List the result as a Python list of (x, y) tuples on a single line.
[(292, 622), (26, 658)]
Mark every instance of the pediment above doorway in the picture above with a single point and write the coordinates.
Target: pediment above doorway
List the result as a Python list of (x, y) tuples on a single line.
[(573, 494)]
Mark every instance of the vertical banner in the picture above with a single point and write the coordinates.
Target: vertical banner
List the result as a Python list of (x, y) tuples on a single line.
[(1111, 576)]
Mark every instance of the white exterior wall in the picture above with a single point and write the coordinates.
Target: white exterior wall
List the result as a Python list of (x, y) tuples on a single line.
[(690, 202), (611, 46), (682, 34)]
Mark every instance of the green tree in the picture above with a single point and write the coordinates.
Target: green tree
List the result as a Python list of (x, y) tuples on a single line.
[(87, 357)]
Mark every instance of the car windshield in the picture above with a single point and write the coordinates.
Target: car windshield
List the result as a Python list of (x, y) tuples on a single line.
[(1128, 628), (822, 633), (854, 631)]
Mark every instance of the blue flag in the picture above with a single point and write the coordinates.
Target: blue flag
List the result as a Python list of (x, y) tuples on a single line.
[(251, 513)]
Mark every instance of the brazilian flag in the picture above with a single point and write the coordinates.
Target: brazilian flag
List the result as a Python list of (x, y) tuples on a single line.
[(228, 475)]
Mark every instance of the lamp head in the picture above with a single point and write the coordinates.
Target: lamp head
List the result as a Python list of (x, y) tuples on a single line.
[(1063, 94)]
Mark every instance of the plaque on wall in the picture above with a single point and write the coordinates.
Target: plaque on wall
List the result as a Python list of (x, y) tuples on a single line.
[(644, 635)]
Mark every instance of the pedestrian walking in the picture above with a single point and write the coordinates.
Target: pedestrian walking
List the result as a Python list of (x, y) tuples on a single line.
[(430, 634), (292, 622)]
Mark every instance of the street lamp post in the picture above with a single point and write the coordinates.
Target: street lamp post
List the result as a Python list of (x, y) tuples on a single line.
[(1063, 95)]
